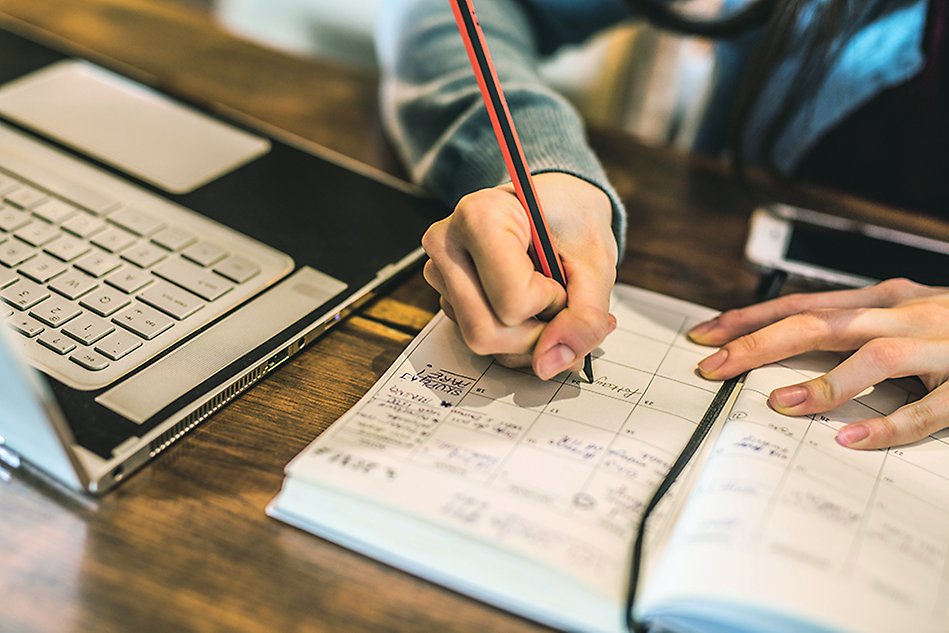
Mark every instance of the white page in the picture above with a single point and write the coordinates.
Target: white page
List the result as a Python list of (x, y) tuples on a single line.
[(784, 518), (556, 472)]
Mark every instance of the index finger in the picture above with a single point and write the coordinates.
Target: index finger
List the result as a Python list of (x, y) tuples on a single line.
[(734, 323)]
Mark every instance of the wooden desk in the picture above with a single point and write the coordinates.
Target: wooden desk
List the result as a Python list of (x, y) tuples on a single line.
[(184, 544)]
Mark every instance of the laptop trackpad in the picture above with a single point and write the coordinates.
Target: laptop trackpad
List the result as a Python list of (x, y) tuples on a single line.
[(128, 126)]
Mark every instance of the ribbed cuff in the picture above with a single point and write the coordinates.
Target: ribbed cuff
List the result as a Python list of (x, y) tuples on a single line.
[(553, 139)]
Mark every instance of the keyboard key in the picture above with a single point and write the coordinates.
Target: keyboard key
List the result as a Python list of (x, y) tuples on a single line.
[(90, 360), (73, 284), (12, 219), (88, 328), (145, 254), (98, 264), (142, 320), (79, 193), (24, 294), (14, 252), (54, 211), (171, 300), (38, 233), (67, 248), (173, 239), (138, 222), (83, 225), (117, 345), (5, 311), (7, 277), (237, 268), (114, 239), (130, 279), (8, 183), (42, 268), (105, 301), (54, 312), (57, 342), (206, 285), (25, 197), (27, 326), (204, 253)]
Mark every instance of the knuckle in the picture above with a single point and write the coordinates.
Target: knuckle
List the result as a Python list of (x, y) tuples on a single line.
[(731, 318), (814, 324), (487, 210), (887, 354), (480, 339), (430, 272), (510, 307), (825, 390), (898, 288), (593, 320), (749, 344), (432, 239), (468, 219), (919, 418), (888, 430)]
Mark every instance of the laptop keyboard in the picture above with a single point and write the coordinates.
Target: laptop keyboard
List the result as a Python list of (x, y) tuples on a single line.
[(95, 285)]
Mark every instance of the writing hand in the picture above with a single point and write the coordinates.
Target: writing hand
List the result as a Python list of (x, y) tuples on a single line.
[(898, 328), (480, 266)]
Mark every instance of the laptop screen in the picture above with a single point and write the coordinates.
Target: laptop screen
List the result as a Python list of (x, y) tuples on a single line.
[(30, 420)]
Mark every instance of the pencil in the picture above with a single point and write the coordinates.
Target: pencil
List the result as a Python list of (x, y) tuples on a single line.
[(543, 251)]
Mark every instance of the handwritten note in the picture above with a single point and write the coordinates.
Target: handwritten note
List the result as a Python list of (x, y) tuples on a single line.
[(527, 493), (559, 470), (784, 517)]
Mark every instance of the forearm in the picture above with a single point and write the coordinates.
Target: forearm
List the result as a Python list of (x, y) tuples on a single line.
[(432, 107)]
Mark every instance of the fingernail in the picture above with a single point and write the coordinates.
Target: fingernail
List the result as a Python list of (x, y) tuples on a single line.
[(612, 323), (852, 433), (702, 329), (713, 362), (788, 397), (555, 360)]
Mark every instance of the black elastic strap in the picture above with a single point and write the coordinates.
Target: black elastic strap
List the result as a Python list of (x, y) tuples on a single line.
[(769, 286), (698, 436)]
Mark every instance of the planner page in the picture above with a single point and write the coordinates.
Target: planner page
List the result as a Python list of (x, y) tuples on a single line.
[(786, 520), (555, 473)]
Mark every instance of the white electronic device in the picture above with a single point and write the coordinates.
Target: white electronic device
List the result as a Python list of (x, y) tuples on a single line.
[(840, 251)]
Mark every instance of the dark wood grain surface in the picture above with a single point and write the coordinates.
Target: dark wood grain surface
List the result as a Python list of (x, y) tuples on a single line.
[(184, 544)]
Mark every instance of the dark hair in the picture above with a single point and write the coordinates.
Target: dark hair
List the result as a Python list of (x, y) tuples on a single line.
[(830, 24)]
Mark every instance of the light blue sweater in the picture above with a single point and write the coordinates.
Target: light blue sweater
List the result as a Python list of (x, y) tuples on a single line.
[(432, 107)]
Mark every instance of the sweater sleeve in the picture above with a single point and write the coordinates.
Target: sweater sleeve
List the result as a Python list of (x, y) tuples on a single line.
[(433, 112)]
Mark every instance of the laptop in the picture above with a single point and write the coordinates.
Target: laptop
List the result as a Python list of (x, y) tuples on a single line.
[(158, 258)]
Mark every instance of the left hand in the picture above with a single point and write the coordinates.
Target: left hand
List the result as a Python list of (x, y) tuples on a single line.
[(897, 327)]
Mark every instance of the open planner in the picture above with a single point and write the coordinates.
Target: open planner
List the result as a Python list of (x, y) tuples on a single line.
[(527, 494)]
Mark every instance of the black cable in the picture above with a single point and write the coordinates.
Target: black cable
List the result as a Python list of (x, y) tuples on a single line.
[(661, 13)]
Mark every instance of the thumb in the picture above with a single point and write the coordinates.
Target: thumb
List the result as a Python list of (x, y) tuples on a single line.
[(577, 329)]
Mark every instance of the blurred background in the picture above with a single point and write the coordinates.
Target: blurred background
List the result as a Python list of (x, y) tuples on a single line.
[(650, 83)]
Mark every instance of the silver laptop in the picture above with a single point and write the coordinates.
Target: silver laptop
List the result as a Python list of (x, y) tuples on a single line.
[(157, 259)]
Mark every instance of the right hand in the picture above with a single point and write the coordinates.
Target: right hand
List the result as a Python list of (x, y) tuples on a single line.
[(480, 266)]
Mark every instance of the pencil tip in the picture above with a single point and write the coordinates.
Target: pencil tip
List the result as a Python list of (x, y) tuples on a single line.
[(588, 368)]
